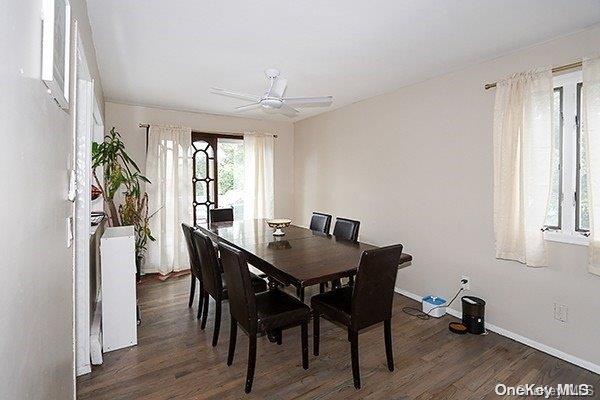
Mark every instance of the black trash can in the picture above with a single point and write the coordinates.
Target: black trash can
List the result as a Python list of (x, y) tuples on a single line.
[(473, 309)]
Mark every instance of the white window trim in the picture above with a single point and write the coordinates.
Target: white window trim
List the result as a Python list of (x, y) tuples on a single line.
[(577, 238), (567, 233)]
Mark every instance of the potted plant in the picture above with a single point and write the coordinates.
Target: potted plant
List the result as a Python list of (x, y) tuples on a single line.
[(120, 171)]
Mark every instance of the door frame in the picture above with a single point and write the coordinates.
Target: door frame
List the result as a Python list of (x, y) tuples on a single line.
[(213, 140), (83, 121)]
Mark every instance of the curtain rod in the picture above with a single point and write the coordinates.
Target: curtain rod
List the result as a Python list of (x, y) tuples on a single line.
[(146, 126), (555, 70)]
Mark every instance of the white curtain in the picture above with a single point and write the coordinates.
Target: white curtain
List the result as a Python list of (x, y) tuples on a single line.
[(169, 168), (591, 137), (522, 165), (258, 176)]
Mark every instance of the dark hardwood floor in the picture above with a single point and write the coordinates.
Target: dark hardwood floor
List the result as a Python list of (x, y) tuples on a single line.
[(174, 360)]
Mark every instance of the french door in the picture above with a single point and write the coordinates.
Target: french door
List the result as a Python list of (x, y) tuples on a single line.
[(205, 175), (218, 174)]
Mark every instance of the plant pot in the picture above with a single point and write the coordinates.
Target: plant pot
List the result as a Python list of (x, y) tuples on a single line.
[(139, 264)]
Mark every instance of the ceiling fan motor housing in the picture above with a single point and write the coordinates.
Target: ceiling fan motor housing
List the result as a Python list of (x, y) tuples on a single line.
[(272, 73), (271, 102)]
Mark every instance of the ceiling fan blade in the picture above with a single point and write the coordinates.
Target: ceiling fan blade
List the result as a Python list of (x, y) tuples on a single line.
[(289, 111), (247, 107), (237, 95), (278, 88), (309, 101)]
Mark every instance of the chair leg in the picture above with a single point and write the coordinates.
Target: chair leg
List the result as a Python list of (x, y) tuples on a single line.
[(279, 337), (217, 322), (351, 281), (251, 362), (300, 293), (204, 311), (387, 330), (316, 333), (192, 290), (304, 328), (321, 288), (354, 354), (200, 300), (232, 340)]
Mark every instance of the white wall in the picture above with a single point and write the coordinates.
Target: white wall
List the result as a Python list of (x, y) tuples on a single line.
[(415, 166), (36, 288), (127, 118)]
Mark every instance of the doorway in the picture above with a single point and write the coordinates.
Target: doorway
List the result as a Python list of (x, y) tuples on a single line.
[(218, 174), (87, 120)]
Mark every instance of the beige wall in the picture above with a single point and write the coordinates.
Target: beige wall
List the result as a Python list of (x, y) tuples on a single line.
[(36, 288), (126, 119), (415, 166)]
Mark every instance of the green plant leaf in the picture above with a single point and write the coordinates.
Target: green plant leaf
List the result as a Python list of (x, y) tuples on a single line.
[(121, 173)]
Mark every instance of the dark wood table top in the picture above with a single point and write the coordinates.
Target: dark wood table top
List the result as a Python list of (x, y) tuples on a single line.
[(300, 258)]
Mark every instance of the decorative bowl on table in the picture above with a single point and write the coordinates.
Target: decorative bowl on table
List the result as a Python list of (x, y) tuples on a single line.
[(278, 224)]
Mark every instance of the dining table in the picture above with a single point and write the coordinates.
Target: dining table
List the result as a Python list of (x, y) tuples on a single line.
[(300, 258)]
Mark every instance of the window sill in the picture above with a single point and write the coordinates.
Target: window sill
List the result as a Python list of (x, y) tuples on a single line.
[(563, 237)]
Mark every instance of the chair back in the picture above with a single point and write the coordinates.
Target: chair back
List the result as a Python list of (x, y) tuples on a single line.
[(209, 264), (320, 222), (373, 291), (221, 214), (346, 229), (192, 252), (242, 300)]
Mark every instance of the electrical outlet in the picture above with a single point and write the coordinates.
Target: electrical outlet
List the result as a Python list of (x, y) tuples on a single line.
[(561, 312), (465, 285)]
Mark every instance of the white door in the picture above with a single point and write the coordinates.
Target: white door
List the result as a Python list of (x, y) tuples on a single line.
[(84, 121)]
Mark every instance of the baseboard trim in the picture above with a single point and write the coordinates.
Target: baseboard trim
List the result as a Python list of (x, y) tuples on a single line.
[(590, 366), (84, 370)]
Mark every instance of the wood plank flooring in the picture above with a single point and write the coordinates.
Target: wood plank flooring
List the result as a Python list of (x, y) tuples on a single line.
[(174, 359)]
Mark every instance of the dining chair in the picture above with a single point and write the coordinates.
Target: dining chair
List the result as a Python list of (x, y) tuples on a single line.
[(221, 214), (345, 229), (214, 284), (320, 222), (194, 268), (259, 313), (367, 303)]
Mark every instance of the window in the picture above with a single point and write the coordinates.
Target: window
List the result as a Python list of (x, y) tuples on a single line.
[(567, 218), (582, 220), (218, 179), (230, 156), (554, 213)]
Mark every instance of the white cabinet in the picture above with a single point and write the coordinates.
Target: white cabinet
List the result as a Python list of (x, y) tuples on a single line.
[(119, 319)]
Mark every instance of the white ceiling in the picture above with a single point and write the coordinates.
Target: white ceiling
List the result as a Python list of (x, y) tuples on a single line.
[(168, 53)]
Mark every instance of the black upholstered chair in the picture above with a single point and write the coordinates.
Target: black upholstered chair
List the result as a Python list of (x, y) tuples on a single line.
[(194, 267), (320, 222), (221, 214), (212, 279), (367, 303), (346, 229), (258, 313)]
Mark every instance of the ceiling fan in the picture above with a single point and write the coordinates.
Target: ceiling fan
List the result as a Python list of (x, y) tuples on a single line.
[(273, 99)]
